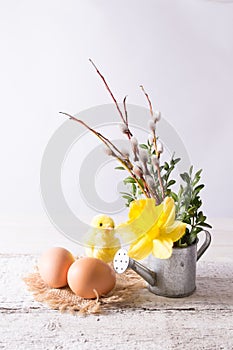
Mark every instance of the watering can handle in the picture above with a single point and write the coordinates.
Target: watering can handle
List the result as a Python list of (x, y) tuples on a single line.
[(205, 245)]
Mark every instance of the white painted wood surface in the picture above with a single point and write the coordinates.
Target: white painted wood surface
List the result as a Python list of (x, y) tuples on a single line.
[(201, 321)]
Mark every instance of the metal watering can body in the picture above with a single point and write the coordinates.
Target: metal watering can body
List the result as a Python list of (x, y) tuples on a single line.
[(174, 277)]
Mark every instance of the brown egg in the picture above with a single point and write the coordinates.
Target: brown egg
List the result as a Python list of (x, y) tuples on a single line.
[(87, 274), (54, 265)]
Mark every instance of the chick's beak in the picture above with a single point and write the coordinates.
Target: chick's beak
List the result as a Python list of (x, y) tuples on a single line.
[(108, 227)]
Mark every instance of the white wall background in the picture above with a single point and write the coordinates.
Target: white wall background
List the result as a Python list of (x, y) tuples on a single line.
[(181, 50)]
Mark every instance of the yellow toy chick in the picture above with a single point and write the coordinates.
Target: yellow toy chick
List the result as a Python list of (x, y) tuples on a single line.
[(102, 242)]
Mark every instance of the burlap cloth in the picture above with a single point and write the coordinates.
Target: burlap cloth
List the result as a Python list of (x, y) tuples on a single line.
[(63, 299)]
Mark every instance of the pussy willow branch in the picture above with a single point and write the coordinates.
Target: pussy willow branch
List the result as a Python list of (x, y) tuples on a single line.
[(125, 110), (151, 113), (154, 142), (106, 141), (124, 120), (109, 90), (148, 99), (146, 187), (124, 161)]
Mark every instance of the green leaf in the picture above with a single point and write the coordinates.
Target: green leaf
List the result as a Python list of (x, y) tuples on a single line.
[(187, 220), (177, 160), (134, 189), (204, 224), (166, 166), (120, 168), (171, 182), (126, 193), (127, 197), (129, 180), (192, 211), (174, 196), (197, 177), (143, 146), (198, 173), (201, 217), (198, 189), (191, 170), (197, 202), (185, 177)]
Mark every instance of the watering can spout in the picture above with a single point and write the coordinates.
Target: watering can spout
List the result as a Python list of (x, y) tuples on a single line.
[(122, 262)]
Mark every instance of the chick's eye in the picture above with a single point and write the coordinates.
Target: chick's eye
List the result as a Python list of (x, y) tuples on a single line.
[(101, 224)]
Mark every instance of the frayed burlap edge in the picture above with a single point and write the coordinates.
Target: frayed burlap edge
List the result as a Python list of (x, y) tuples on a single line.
[(63, 299)]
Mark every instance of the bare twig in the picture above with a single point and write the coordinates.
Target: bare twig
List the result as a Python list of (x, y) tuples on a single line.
[(148, 99), (147, 190), (124, 119), (109, 90)]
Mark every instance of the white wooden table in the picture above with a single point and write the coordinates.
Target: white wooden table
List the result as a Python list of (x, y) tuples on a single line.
[(201, 321)]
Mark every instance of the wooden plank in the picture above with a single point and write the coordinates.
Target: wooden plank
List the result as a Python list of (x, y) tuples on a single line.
[(124, 330), (201, 321)]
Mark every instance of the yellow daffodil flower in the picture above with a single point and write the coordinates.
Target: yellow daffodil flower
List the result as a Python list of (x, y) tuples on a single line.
[(151, 228)]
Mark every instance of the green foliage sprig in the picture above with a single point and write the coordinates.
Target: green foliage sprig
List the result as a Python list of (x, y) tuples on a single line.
[(188, 207)]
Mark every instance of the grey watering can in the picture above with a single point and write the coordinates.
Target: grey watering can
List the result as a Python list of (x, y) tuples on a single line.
[(174, 277)]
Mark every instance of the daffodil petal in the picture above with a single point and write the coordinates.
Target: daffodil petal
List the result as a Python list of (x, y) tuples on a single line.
[(142, 217), (136, 208), (154, 232), (162, 248), (141, 248), (168, 212), (175, 231)]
